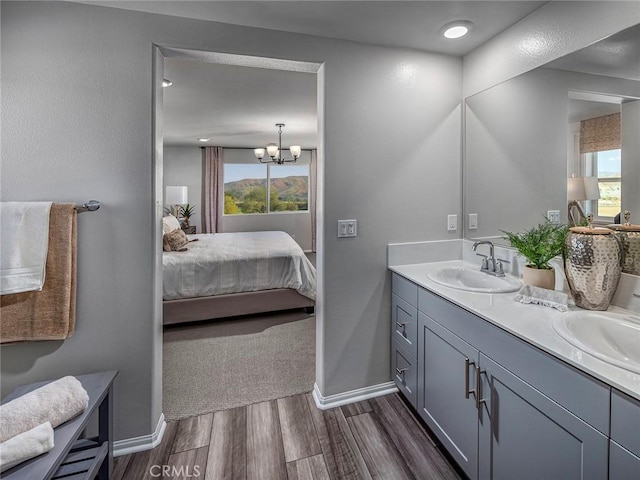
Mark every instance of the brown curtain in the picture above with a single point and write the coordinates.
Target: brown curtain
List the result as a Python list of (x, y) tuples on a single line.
[(600, 133), (213, 179), (313, 180)]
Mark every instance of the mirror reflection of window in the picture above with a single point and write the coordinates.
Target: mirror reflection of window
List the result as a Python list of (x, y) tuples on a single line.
[(601, 157), (607, 167)]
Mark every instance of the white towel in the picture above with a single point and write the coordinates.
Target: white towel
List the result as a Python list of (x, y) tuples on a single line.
[(55, 402), (544, 297), (27, 445), (24, 240)]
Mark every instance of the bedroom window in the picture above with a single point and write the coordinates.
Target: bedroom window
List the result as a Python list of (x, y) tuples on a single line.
[(265, 188)]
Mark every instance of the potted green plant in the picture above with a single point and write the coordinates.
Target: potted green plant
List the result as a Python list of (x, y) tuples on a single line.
[(539, 245), (186, 212)]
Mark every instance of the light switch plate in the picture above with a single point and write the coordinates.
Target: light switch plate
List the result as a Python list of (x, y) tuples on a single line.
[(554, 216), (452, 222), (473, 221), (347, 228)]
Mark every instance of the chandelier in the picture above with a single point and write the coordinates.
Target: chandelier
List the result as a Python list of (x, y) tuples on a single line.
[(275, 151)]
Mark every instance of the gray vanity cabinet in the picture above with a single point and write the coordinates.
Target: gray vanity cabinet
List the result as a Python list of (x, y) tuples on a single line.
[(404, 332), (446, 391), (623, 465), (502, 408), (526, 435), (624, 450)]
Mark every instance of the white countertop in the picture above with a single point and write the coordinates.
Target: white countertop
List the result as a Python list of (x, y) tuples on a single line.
[(531, 323)]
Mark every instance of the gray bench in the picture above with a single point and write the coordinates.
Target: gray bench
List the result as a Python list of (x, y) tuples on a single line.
[(72, 457)]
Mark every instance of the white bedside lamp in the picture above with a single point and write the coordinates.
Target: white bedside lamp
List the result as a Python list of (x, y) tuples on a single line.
[(175, 196), (579, 189)]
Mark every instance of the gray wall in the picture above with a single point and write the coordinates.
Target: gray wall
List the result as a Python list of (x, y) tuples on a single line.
[(183, 166), (77, 124), (631, 159)]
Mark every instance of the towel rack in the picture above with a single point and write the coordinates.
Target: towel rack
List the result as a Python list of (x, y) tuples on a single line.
[(90, 206)]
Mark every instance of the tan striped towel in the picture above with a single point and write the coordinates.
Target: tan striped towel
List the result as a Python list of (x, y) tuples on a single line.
[(51, 313)]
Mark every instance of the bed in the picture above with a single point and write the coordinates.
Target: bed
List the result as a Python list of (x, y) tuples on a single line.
[(230, 274)]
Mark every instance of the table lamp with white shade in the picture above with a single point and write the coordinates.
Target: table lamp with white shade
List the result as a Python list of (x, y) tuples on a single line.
[(578, 190), (175, 196)]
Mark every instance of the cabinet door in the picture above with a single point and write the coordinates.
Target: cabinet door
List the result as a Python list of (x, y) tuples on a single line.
[(623, 465), (444, 401), (526, 435)]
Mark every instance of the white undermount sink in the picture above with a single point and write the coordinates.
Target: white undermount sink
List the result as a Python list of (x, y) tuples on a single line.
[(612, 337), (473, 280)]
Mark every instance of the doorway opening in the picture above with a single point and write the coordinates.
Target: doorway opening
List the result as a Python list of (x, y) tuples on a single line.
[(214, 365)]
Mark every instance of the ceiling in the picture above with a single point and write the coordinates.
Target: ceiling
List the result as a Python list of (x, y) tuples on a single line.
[(238, 107), (407, 24)]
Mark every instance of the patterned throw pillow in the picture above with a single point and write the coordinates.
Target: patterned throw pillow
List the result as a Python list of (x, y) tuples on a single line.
[(169, 224), (175, 241)]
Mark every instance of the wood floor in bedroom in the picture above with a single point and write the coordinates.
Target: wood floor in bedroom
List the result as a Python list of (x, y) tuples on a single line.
[(290, 439)]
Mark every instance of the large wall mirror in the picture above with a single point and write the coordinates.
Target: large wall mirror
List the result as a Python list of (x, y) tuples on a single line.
[(522, 139)]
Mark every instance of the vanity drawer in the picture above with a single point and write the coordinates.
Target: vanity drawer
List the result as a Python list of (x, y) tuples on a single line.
[(625, 421), (404, 324), (405, 289), (404, 372)]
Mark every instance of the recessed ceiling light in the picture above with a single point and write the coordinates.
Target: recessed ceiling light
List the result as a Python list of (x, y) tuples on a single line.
[(456, 29), (166, 83), (203, 139)]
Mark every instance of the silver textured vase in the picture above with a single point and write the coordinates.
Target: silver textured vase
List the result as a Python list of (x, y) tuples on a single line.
[(593, 264), (629, 236)]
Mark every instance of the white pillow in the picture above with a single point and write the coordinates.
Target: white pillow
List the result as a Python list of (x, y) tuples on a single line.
[(169, 224)]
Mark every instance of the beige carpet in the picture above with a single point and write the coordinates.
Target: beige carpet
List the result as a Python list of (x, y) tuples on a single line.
[(217, 365)]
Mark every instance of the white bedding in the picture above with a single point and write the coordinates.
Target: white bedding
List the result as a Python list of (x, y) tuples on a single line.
[(220, 263)]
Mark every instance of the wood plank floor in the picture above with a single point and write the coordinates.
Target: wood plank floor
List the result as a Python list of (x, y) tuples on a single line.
[(290, 439)]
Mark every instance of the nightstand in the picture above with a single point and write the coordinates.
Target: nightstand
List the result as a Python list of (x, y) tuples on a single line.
[(191, 229)]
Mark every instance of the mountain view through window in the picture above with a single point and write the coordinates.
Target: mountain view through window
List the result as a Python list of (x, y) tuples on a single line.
[(265, 188)]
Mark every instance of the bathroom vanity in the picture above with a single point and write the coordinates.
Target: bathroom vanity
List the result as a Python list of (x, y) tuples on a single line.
[(507, 396)]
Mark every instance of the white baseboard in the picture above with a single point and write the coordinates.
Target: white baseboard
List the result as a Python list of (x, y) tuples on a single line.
[(140, 444), (352, 396)]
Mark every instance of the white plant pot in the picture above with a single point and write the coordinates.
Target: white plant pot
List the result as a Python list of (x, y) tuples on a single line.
[(539, 277)]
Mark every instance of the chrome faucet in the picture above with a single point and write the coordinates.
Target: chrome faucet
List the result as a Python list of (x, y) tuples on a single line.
[(489, 264)]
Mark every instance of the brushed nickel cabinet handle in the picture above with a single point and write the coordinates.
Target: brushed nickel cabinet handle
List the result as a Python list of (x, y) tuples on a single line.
[(400, 372), (467, 364), (479, 401), (403, 326)]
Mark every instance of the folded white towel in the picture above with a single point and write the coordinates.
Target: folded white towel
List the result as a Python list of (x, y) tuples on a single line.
[(55, 402), (544, 297), (26, 445), (24, 240)]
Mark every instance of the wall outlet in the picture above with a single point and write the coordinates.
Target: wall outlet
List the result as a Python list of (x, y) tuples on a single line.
[(473, 221), (347, 228), (452, 222), (553, 216)]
